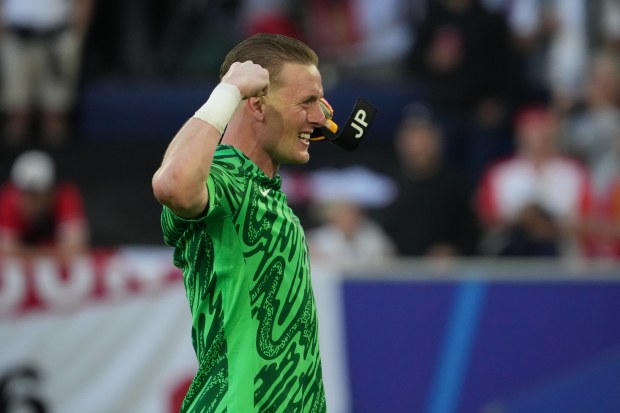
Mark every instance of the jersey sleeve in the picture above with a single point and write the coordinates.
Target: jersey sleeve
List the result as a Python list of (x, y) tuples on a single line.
[(224, 186)]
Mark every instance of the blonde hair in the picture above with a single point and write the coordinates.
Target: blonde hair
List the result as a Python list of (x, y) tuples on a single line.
[(271, 51)]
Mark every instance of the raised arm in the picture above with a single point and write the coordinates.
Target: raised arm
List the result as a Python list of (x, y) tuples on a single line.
[(179, 183)]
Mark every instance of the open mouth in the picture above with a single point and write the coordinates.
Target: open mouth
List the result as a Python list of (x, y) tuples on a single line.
[(304, 136)]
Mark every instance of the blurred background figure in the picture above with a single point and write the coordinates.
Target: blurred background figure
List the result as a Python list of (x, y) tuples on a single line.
[(592, 130), (600, 229), (41, 53), (335, 44), (555, 40), (367, 39), (271, 16), (195, 26), (552, 38), (592, 133), (432, 215), (462, 60), (531, 203), (39, 215), (346, 235)]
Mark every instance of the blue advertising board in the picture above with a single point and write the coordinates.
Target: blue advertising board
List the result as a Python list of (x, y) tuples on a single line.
[(483, 345)]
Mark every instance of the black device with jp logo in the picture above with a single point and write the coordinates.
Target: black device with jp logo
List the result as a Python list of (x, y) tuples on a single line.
[(354, 131)]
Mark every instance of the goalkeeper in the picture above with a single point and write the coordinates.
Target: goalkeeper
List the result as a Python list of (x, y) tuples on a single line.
[(241, 248)]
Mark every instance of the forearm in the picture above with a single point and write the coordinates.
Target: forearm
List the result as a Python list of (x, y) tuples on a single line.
[(180, 181)]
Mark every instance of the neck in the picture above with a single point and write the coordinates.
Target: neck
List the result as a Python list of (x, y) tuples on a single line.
[(539, 158), (243, 137)]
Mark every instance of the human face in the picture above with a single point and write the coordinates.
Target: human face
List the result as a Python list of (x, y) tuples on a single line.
[(292, 112), (419, 147), (537, 134)]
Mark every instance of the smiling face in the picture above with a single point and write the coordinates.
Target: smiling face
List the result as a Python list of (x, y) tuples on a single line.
[(292, 112)]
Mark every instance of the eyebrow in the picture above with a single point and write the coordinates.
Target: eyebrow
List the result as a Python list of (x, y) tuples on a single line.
[(310, 98)]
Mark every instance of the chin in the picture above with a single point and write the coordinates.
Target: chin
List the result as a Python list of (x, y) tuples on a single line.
[(299, 160), (304, 158)]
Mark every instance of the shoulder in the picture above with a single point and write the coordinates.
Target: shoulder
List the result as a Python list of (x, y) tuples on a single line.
[(569, 163), (228, 155), (228, 163)]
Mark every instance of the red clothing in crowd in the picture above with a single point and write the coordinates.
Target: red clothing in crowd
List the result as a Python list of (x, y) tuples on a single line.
[(560, 186), (67, 207), (605, 241)]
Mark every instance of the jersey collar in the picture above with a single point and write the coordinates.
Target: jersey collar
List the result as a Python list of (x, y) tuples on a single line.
[(254, 172)]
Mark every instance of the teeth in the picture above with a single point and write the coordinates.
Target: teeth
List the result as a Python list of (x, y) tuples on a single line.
[(304, 135)]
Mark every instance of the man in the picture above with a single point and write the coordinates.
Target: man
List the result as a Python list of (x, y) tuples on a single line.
[(41, 55), (431, 215), (531, 203), (242, 250), (39, 215)]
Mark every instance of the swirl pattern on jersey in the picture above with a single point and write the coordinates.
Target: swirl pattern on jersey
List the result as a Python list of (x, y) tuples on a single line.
[(275, 255), (210, 384)]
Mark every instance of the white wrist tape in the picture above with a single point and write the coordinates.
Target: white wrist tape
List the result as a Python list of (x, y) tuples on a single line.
[(220, 106)]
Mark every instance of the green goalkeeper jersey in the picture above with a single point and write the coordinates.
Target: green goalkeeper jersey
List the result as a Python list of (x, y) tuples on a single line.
[(247, 277)]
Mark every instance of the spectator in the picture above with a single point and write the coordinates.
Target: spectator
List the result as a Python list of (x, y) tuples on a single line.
[(555, 39), (593, 134), (196, 26), (432, 215), (610, 25), (601, 228), (335, 43), (592, 131), (38, 215), (347, 236), (379, 36), (41, 56), (531, 202), (462, 60), (270, 16)]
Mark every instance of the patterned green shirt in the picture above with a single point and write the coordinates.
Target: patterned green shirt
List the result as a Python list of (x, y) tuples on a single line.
[(247, 277)]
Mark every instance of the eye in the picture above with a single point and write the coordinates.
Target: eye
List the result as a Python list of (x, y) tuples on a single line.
[(311, 100)]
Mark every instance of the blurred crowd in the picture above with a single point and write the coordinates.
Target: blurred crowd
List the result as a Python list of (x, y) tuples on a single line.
[(513, 149)]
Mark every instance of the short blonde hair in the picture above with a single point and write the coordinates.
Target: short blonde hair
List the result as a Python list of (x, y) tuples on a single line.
[(271, 51)]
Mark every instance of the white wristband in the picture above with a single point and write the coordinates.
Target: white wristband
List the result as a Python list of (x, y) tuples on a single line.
[(220, 106)]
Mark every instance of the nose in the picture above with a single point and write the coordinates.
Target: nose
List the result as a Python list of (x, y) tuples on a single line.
[(316, 116)]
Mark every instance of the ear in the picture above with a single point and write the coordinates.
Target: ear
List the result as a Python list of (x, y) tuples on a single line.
[(256, 107)]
